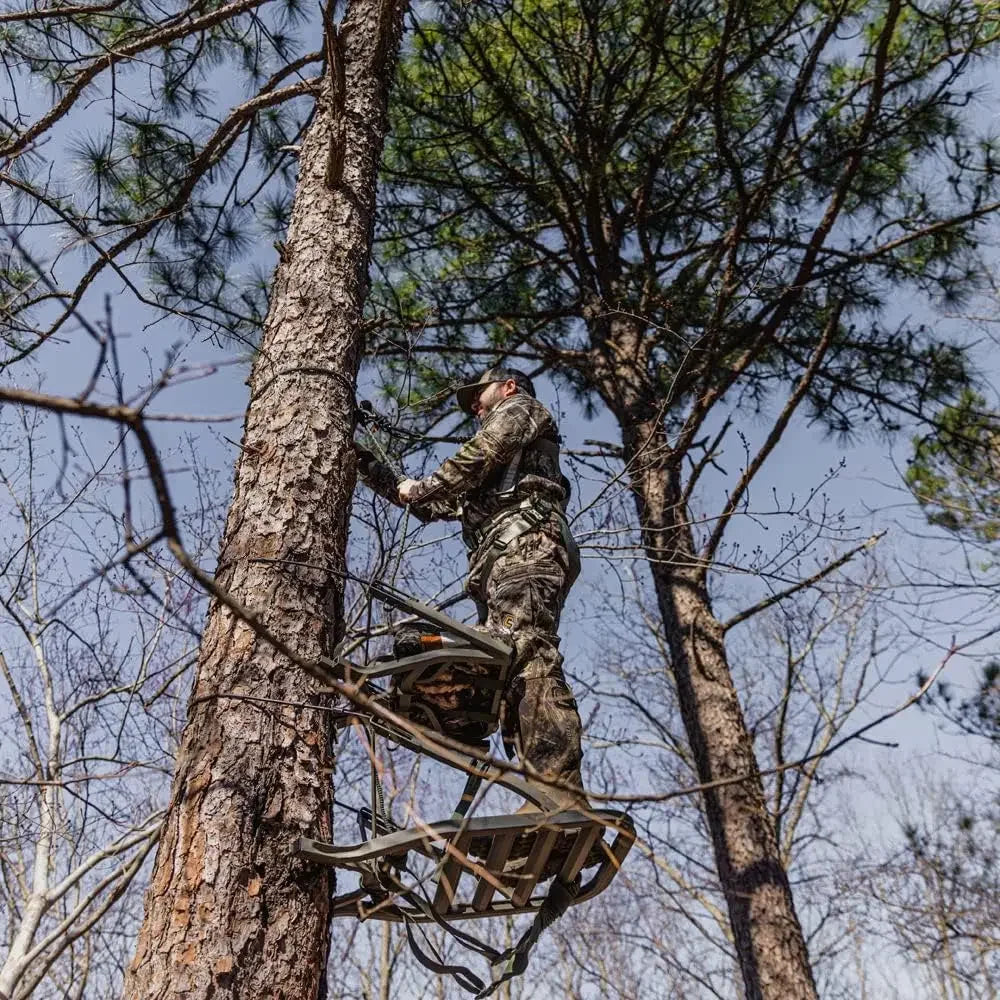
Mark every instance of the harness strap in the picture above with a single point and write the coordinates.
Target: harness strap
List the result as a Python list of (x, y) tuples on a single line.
[(509, 479), (377, 800), (472, 785), (511, 476), (498, 530), (511, 524), (419, 900), (462, 974), (560, 896)]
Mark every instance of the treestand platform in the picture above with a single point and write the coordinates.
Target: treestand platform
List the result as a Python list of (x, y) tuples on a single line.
[(469, 857)]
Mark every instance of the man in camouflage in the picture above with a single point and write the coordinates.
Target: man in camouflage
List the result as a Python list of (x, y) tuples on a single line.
[(506, 487)]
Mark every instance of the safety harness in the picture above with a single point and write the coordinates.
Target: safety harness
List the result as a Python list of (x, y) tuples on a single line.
[(492, 538)]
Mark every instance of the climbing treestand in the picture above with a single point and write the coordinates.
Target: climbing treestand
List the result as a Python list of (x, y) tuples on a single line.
[(445, 683)]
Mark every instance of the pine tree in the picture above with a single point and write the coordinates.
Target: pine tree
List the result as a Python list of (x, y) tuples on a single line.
[(177, 188), (229, 912), (955, 470), (693, 212), (166, 152)]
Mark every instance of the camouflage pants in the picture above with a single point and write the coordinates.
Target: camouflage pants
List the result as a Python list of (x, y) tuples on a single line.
[(523, 597)]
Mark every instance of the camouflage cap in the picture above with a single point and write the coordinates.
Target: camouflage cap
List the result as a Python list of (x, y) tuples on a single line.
[(466, 394)]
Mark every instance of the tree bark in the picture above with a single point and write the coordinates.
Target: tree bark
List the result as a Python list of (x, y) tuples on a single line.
[(229, 913), (770, 945)]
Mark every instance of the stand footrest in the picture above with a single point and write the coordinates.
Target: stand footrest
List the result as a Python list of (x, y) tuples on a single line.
[(490, 884)]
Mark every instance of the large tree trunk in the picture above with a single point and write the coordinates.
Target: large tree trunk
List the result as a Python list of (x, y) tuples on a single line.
[(229, 913), (769, 941), (770, 945)]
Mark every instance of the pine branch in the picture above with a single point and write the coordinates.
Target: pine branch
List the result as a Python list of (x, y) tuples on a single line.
[(214, 149), (47, 13), (157, 38)]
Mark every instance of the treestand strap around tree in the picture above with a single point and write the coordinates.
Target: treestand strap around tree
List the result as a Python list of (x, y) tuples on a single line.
[(446, 680)]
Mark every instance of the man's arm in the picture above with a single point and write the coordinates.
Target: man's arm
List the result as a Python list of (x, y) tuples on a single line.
[(510, 427)]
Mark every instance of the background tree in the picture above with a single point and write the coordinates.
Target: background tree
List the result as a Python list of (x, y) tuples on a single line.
[(939, 892), (955, 469), (688, 213), (93, 710), (943, 886)]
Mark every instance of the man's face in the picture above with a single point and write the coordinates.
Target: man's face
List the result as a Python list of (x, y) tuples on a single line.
[(489, 396)]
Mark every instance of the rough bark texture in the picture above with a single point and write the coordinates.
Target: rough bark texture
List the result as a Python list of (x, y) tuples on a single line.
[(770, 945), (229, 913)]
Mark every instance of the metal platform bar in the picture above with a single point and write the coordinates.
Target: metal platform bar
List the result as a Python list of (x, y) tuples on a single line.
[(528, 877), (504, 830), (451, 873), (416, 665), (579, 851), (496, 859), (403, 602)]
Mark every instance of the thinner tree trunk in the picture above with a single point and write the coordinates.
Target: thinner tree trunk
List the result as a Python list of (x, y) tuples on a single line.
[(770, 945), (229, 913)]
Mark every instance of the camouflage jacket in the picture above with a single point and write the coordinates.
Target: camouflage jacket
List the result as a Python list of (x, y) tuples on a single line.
[(468, 485)]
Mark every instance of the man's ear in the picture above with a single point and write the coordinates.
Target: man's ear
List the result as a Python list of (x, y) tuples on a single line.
[(509, 388)]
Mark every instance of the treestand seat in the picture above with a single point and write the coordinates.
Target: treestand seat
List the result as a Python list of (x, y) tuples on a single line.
[(445, 676), (464, 887)]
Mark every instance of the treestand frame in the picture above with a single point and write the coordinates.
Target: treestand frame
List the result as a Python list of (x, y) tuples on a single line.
[(550, 842)]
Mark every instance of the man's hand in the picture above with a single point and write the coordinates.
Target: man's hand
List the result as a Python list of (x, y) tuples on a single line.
[(405, 488)]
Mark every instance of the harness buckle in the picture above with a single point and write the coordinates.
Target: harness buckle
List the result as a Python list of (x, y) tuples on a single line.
[(535, 510)]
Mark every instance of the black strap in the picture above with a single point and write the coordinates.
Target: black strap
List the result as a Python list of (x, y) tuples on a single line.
[(367, 821), (560, 896), (422, 903), (472, 784), (511, 476), (462, 974)]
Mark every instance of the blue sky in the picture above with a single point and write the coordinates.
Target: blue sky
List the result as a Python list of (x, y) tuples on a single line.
[(866, 490)]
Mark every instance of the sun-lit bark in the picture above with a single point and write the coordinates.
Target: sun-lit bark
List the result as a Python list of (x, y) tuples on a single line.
[(229, 913)]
